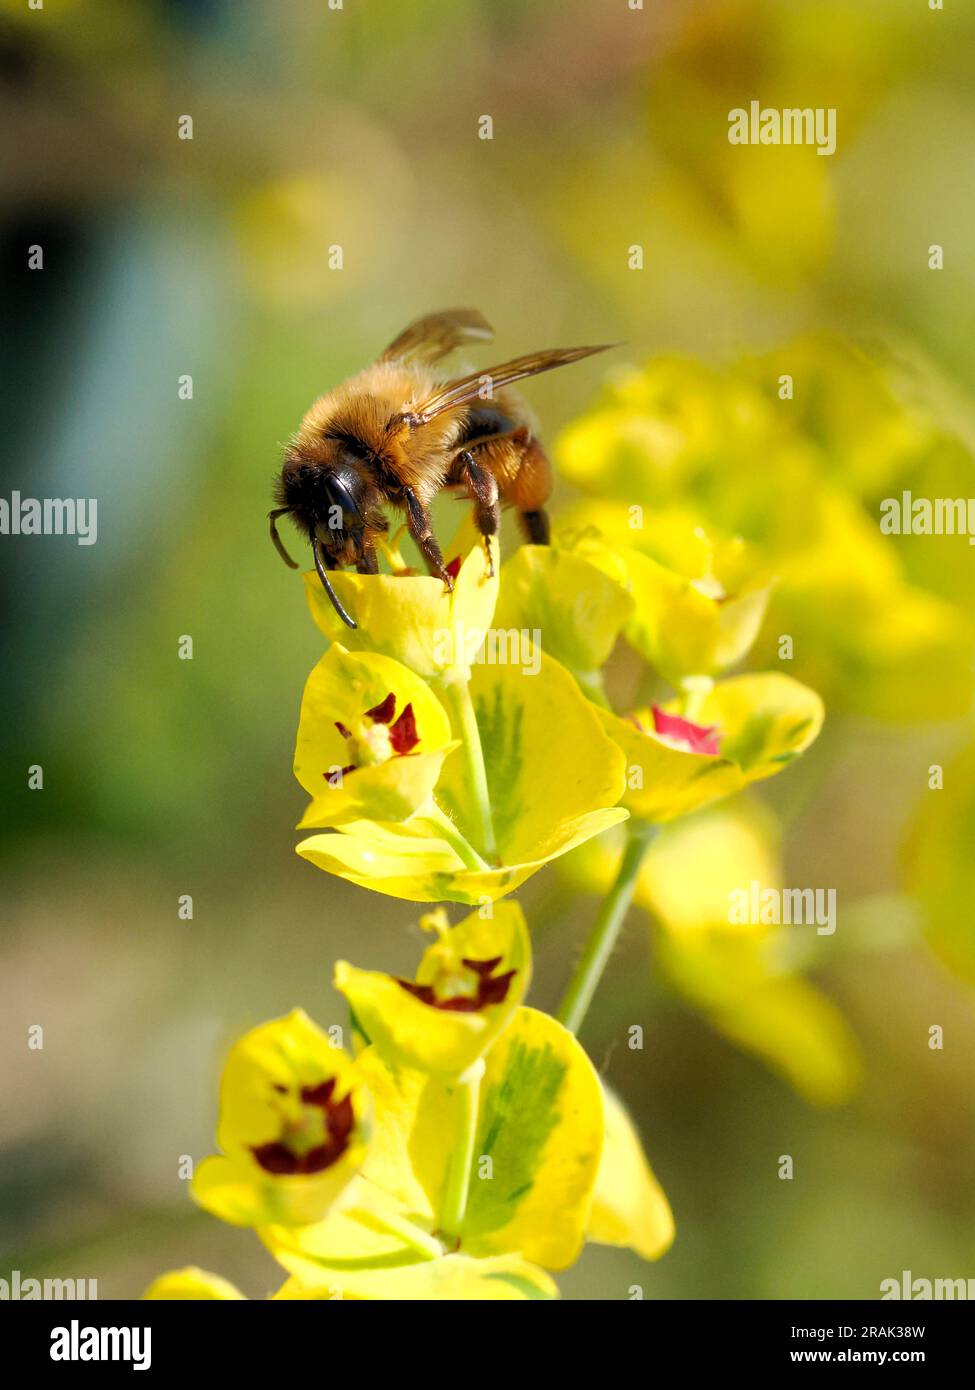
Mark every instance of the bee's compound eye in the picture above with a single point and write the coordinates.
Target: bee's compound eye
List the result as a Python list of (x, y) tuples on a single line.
[(344, 487)]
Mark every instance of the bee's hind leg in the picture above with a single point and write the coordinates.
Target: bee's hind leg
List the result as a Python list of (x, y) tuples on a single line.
[(483, 488), (420, 527)]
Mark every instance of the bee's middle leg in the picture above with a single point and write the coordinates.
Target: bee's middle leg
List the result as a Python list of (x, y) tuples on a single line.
[(483, 488), (421, 529)]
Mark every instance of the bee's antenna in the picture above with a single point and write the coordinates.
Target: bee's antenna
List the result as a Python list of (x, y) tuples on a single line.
[(278, 542), (326, 583)]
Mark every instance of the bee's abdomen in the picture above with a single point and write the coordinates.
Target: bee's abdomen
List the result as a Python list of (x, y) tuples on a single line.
[(482, 422)]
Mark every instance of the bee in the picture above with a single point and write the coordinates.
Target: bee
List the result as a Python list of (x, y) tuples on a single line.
[(398, 433)]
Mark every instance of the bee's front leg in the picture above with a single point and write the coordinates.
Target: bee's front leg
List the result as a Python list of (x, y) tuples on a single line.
[(483, 488), (420, 528), (368, 562)]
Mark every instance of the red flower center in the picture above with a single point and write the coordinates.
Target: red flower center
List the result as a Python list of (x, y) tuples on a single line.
[(490, 988), (403, 737), (693, 738), (333, 1119)]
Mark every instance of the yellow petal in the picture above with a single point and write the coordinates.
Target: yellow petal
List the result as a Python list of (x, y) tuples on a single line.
[(541, 1123), (629, 1207), (408, 861), (412, 618), (765, 721), (454, 1278), (682, 630), (697, 601), (549, 762)]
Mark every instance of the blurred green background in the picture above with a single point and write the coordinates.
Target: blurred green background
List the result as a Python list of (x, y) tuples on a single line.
[(358, 127)]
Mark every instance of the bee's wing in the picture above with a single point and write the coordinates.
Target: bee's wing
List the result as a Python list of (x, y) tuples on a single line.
[(471, 387), (431, 337)]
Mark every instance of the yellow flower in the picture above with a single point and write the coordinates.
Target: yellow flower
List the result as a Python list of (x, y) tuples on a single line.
[(467, 988), (553, 779), (697, 604), (371, 740), (746, 729), (534, 774), (469, 1184), (293, 1127)]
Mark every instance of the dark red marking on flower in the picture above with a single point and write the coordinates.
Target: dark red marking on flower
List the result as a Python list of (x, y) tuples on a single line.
[(482, 967), (383, 712), (320, 1094), (279, 1159), (453, 569), (334, 779), (275, 1158), (403, 735), (491, 988), (696, 738)]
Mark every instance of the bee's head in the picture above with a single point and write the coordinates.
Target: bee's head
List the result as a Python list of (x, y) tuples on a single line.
[(327, 491), (332, 499)]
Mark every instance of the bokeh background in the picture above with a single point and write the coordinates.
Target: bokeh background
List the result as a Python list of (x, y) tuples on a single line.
[(358, 127)]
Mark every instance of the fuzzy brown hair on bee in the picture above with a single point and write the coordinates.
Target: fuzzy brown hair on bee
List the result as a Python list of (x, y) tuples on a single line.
[(398, 433)]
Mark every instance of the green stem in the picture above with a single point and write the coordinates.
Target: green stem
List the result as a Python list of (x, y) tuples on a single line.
[(426, 1246), (602, 938), (462, 1154), (458, 842), (457, 697)]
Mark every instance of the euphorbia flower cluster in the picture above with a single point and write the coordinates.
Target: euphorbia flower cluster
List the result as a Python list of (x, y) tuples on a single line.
[(449, 1140)]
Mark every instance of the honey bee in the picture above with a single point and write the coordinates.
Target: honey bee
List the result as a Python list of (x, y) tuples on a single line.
[(398, 433)]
